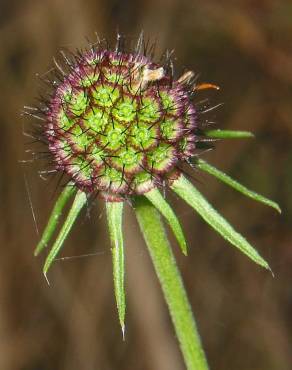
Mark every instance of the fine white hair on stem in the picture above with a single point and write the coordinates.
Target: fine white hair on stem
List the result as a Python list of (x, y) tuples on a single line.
[(30, 202)]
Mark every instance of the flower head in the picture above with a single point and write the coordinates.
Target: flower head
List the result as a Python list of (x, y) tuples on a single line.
[(119, 124)]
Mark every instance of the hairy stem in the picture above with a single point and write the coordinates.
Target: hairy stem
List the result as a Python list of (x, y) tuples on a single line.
[(171, 283)]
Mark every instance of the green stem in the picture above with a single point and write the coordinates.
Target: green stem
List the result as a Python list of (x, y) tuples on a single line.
[(171, 283)]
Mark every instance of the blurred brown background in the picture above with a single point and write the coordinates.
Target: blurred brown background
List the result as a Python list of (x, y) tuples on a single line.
[(244, 315)]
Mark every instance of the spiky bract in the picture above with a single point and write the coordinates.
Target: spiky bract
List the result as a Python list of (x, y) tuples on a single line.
[(119, 124)]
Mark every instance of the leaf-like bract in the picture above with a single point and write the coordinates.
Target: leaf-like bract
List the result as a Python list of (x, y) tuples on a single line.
[(115, 217), (66, 194), (203, 165), (165, 209), (78, 203), (187, 191), (228, 134)]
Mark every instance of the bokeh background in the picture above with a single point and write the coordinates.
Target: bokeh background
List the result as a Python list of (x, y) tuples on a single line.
[(244, 314)]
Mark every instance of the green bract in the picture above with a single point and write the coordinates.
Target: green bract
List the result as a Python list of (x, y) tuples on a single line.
[(121, 126)]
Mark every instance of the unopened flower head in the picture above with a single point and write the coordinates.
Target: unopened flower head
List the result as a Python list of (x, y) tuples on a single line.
[(118, 123)]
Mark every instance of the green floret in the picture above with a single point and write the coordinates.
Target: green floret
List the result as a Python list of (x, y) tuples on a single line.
[(90, 79), (150, 110), (114, 137), (115, 78), (80, 138), (64, 121), (96, 120), (161, 157), (78, 103), (168, 103), (125, 110), (83, 168), (170, 128), (143, 136), (128, 160), (97, 157), (105, 96)]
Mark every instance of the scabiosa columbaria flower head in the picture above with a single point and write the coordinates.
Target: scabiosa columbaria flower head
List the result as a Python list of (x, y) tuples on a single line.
[(118, 123), (121, 125)]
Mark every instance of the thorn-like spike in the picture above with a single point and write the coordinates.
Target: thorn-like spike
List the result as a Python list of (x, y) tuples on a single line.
[(123, 331), (140, 44), (59, 67), (186, 77), (46, 277), (120, 43)]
